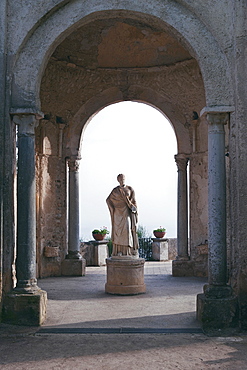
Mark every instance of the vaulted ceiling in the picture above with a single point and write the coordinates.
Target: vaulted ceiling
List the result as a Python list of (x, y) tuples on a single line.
[(118, 43)]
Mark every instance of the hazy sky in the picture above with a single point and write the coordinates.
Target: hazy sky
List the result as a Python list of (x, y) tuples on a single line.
[(138, 141)]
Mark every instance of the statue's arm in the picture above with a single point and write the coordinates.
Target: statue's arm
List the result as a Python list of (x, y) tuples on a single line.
[(132, 200), (110, 206)]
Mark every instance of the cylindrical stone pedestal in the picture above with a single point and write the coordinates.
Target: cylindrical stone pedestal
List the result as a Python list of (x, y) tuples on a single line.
[(125, 276)]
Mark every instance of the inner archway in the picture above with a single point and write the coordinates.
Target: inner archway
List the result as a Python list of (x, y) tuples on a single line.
[(135, 139), (166, 77)]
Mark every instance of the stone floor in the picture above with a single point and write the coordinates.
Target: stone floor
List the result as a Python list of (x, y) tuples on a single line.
[(88, 329), (81, 302)]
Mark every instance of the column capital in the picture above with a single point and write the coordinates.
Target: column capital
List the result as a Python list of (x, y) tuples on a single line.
[(218, 118), (74, 163), (26, 123), (182, 161)]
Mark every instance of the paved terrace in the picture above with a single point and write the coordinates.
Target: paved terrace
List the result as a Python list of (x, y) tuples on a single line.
[(82, 302), (88, 329)]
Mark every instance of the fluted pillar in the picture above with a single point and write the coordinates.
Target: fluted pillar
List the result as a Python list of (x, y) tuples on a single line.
[(26, 304), (217, 307), (74, 264)]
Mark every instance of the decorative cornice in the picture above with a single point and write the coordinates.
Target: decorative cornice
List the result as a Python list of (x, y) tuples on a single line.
[(26, 111), (217, 109)]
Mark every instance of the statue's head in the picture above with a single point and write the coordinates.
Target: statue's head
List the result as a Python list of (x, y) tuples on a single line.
[(121, 179)]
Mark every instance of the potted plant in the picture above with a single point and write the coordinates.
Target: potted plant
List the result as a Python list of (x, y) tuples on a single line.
[(160, 232), (100, 234)]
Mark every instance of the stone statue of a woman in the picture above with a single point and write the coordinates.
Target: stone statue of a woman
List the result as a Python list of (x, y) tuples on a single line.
[(123, 210)]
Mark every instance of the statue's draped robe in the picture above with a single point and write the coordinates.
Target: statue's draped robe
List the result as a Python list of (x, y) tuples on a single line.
[(121, 203)]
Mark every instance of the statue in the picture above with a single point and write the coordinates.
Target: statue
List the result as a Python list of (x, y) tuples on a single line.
[(123, 210)]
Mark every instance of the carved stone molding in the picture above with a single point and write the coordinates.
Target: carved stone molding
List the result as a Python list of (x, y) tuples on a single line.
[(74, 164), (181, 161), (26, 124), (218, 118)]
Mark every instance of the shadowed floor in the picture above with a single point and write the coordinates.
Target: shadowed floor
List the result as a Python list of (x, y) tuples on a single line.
[(127, 328)]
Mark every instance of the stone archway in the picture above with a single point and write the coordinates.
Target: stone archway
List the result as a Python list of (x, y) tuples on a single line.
[(155, 87), (60, 23), (174, 19)]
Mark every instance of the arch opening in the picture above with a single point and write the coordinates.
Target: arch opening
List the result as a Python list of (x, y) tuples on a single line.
[(137, 140)]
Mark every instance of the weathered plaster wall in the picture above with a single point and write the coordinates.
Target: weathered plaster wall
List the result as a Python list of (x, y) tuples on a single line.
[(7, 165), (238, 160), (2, 113), (217, 15), (52, 199), (199, 212), (24, 16)]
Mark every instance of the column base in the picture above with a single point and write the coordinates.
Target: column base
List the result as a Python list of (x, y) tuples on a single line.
[(217, 291), (25, 309), (217, 315), (125, 276), (74, 267), (182, 268), (73, 255)]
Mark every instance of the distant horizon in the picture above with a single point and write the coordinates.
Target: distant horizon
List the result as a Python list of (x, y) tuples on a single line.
[(137, 140)]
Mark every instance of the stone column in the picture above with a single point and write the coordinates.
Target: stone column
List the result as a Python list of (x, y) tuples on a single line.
[(26, 304), (182, 217), (217, 200), (73, 240), (182, 266), (26, 204), (77, 264), (216, 308)]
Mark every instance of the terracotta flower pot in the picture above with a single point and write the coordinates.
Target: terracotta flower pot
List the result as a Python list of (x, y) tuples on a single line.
[(98, 237), (159, 234)]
